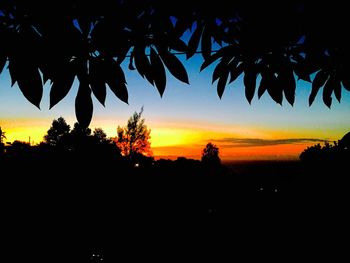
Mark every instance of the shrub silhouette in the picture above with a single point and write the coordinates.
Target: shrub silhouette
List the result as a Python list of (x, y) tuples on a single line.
[(273, 40)]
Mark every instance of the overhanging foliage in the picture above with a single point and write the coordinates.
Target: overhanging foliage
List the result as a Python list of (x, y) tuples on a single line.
[(277, 41)]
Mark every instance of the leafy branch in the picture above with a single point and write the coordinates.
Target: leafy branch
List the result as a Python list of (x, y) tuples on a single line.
[(281, 43)]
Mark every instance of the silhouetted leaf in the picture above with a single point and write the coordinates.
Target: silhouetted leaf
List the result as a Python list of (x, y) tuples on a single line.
[(12, 71), (83, 105), (61, 86), (302, 72), (142, 64), (335, 83), (177, 44), (107, 45), (97, 79), (304, 76), (235, 71), (274, 89), (287, 81), (3, 59), (210, 60), (131, 63), (194, 41), (81, 69), (159, 72), (140, 59), (318, 82), (218, 70), (123, 52), (249, 83), (218, 33), (337, 91), (206, 42), (346, 83), (119, 72), (28, 79), (263, 85), (327, 92), (226, 52), (222, 82), (182, 25), (116, 80), (174, 65)]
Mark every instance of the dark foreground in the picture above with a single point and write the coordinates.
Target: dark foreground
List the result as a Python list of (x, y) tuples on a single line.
[(82, 211)]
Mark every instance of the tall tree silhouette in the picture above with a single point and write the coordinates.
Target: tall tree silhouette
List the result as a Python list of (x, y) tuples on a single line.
[(210, 155), (273, 40), (2, 135), (58, 131), (134, 138), (100, 136)]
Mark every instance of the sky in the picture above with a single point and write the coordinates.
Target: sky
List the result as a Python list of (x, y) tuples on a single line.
[(187, 117)]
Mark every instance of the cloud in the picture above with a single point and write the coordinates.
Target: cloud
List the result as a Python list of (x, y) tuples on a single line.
[(253, 142)]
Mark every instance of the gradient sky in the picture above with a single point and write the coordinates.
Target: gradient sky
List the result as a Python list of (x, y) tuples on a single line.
[(189, 116)]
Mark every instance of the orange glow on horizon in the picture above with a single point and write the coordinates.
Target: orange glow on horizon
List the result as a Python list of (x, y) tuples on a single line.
[(272, 152), (171, 140)]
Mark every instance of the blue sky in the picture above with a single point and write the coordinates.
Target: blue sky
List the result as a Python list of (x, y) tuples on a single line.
[(195, 108)]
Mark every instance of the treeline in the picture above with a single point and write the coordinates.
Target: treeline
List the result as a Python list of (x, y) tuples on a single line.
[(129, 152), (338, 152)]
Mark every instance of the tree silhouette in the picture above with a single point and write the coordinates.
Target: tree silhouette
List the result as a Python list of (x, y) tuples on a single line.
[(276, 41), (2, 136), (58, 131), (335, 153), (100, 136), (210, 155), (80, 131), (78, 142), (80, 138), (317, 153), (133, 139), (19, 148)]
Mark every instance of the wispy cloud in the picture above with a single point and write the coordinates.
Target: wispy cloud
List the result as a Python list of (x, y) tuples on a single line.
[(251, 142)]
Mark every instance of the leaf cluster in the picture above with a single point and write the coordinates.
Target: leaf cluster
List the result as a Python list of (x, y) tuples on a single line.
[(60, 41)]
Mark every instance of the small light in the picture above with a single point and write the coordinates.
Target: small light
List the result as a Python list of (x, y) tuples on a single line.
[(276, 190), (261, 189)]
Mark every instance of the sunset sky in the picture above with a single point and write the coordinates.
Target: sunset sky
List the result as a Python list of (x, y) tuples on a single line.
[(189, 116)]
